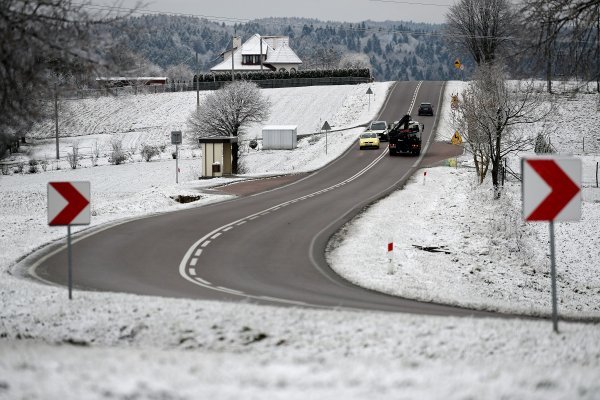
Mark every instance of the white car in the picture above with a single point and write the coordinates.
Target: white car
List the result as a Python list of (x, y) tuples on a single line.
[(380, 128)]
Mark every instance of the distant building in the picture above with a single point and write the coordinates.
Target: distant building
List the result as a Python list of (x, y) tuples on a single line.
[(132, 81), (274, 52)]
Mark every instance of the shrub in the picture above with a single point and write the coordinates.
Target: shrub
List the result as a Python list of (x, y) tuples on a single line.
[(542, 144), (148, 152), (95, 154), (73, 157), (117, 155), (44, 164), (33, 166)]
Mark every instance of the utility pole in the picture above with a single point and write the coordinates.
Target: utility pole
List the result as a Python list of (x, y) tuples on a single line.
[(56, 118), (197, 82), (232, 50), (261, 60)]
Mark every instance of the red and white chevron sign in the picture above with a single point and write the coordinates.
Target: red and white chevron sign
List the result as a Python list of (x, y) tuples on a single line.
[(551, 189), (69, 203)]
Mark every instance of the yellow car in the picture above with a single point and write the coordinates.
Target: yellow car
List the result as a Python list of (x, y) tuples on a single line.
[(368, 139)]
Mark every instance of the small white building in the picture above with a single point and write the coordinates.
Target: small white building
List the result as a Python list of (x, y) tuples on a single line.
[(259, 53), (280, 137)]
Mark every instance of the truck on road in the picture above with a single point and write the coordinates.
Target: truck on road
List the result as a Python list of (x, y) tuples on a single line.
[(405, 137)]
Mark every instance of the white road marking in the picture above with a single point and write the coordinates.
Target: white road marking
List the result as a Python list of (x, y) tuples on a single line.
[(206, 284), (198, 252), (252, 218), (192, 270), (233, 291), (193, 261), (228, 228), (216, 235)]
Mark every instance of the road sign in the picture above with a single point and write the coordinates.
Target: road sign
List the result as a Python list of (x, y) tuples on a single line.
[(551, 189), (457, 63), (326, 126), (456, 138), (68, 203), (176, 137), (369, 91)]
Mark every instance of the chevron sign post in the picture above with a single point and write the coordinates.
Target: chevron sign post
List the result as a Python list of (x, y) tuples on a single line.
[(551, 191), (69, 204)]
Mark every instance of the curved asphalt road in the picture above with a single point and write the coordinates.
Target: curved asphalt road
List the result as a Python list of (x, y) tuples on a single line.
[(268, 247)]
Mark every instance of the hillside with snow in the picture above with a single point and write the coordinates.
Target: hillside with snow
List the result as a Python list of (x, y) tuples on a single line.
[(117, 346)]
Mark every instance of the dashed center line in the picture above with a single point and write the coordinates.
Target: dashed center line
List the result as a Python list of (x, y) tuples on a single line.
[(186, 267)]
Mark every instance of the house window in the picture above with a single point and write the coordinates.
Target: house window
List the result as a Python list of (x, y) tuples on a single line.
[(251, 59), (281, 69)]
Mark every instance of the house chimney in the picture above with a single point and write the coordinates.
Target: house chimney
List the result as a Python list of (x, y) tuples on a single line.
[(237, 42)]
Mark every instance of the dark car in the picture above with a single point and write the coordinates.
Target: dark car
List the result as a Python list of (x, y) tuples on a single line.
[(425, 109)]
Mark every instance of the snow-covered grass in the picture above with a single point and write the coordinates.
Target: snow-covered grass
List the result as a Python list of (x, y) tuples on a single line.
[(149, 118), (117, 346), (485, 256)]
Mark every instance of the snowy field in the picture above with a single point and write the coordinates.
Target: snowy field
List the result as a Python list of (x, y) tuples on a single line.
[(487, 257), (136, 120), (119, 346)]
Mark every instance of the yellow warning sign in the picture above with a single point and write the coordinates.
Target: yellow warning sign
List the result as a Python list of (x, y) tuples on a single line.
[(456, 139)]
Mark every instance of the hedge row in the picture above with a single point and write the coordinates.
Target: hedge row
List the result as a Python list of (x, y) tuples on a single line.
[(258, 76)]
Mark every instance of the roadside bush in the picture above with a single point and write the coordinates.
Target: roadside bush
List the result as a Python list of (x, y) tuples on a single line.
[(117, 155), (148, 152), (33, 166), (19, 168), (542, 144), (44, 164), (73, 157), (95, 154)]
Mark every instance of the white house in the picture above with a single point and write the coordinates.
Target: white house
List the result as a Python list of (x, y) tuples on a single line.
[(274, 51)]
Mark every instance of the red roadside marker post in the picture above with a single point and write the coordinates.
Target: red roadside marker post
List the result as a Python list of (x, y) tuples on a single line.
[(551, 191), (69, 204), (390, 254)]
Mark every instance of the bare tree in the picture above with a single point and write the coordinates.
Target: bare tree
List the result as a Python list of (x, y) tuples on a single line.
[(228, 111), (180, 72), (355, 60), (483, 28), (564, 27), (476, 142), (492, 108), (38, 40)]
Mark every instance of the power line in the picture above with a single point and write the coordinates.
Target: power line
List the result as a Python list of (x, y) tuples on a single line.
[(342, 25), (412, 3), (148, 11)]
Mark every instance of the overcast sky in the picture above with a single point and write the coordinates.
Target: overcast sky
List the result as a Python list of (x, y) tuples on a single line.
[(432, 11)]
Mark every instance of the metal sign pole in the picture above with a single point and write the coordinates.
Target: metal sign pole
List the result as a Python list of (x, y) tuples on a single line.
[(70, 267), (326, 142), (176, 163), (553, 274)]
